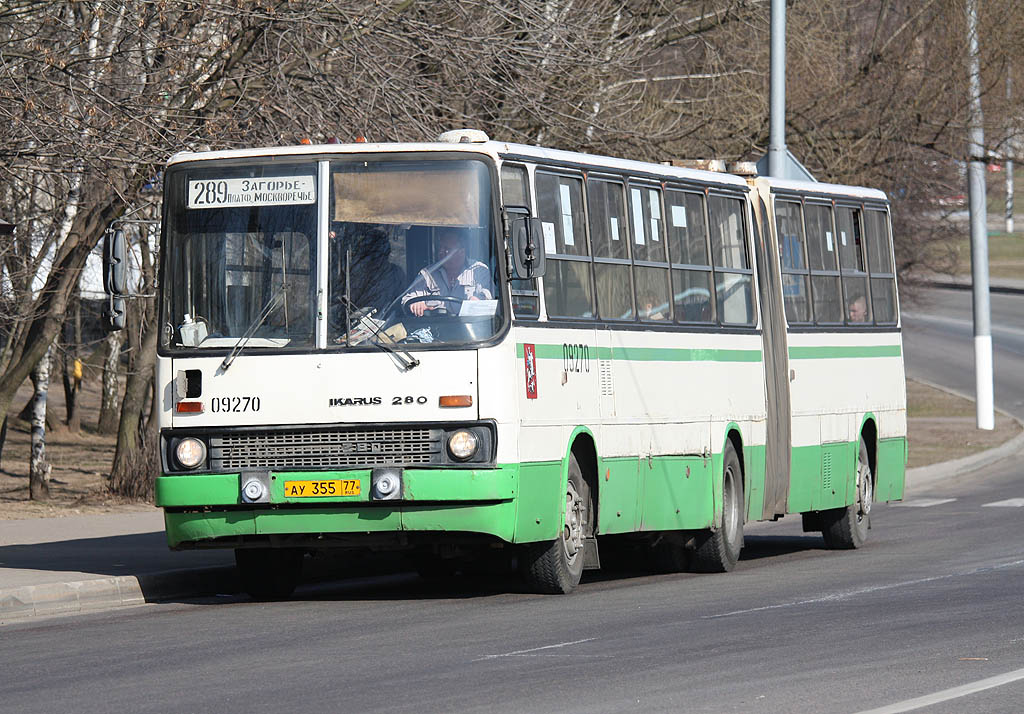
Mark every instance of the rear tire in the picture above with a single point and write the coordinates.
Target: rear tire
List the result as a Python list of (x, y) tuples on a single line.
[(557, 566), (269, 573), (847, 528), (718, 550)]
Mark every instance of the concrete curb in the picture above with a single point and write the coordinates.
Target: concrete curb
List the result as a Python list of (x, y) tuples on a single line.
[(97, 594)]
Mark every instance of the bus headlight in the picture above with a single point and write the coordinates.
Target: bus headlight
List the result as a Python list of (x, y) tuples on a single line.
[(190, 452), (462, 445)]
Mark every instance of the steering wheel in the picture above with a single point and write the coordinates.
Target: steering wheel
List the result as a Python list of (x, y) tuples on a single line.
[(428, 298)]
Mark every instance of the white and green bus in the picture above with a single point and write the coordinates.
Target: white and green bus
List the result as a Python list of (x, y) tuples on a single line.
[(480, 349)]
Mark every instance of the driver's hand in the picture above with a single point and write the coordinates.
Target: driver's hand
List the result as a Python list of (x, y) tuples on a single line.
[(418, 308)]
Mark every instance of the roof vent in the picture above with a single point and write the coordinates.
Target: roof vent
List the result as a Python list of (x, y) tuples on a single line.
[(702, 164), (463, 136), (742, 168)]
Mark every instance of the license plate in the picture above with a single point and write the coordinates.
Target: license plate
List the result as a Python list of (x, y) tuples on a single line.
[(321, 489)]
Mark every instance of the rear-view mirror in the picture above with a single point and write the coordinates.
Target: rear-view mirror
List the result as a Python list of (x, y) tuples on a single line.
[(115, 266)]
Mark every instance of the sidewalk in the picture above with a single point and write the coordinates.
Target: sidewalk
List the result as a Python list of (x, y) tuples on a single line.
[(77, 564), (53, 566)]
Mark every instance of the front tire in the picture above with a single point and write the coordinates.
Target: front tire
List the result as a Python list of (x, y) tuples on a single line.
[(269, 573), (847, 528), (718, 550), (557, 566)]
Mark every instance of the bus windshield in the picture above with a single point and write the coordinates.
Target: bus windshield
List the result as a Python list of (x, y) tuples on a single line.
[(409, 252)]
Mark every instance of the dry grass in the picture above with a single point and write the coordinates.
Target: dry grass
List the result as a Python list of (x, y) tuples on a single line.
[(81, 462), (941, 426)]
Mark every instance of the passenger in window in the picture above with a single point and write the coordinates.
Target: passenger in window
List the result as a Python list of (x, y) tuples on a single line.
[(453, 275), (653, 308), (857, 309)]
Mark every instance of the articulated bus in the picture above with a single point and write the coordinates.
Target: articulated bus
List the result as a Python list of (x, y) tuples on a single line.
[(474, 349)]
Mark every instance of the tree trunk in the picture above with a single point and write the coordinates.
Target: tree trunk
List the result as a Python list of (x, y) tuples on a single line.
[(134, 469), (39, 469), (3, 440), (108, 405), (72, 364)]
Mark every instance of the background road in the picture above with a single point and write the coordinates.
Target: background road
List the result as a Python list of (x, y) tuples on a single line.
[(932, 602)]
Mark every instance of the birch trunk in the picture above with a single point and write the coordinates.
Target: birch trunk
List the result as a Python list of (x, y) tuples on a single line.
[(39, 469), (109, 414)]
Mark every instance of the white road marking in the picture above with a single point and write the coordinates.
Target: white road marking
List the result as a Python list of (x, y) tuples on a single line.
[(1008, 503), (946, 694), (536, 649), (922, 502), (834, 597)]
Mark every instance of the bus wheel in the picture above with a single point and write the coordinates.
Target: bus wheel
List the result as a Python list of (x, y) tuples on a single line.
[(269, 573), (717, 551), (847, 528), (556, 566)]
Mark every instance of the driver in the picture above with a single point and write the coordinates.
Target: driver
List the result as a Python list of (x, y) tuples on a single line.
[(453, 275)]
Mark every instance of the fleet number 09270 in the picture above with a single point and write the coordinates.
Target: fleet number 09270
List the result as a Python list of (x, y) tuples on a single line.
[(235, 404)]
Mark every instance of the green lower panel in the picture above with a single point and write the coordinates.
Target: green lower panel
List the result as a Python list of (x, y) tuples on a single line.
[(197, 527), (496, 519), (804, 479), (890, 468), (538, 516), (365, 519), (417, 484), (838, 475), (677, 493), (753, 480), (198, 490), (619, 496)]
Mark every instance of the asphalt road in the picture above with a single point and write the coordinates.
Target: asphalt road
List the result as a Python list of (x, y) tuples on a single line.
[(933, 602), (938, 338)]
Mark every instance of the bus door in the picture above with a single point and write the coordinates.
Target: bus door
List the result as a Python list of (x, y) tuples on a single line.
[(776, 365)]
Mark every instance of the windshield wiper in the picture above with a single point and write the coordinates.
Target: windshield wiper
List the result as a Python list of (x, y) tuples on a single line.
[(260, 319), (406, 360)]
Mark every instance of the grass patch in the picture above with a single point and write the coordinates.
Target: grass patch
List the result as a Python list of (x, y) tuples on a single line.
[(942, 426)]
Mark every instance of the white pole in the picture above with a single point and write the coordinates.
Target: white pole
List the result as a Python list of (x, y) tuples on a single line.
[(979, 232), (1008, 164), (777, 96)]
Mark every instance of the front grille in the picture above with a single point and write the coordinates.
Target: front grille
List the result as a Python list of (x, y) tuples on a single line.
[(326, 449)]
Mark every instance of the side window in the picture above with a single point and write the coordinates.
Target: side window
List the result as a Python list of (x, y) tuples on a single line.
[(692, 297), (821, 254), (733, 276), (650, 254), (610, 238), (883, 277), (851, 265), (796, 288), (515, 191), (567, 287)]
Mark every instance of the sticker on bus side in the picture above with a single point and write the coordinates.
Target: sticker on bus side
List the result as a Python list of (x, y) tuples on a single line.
[(530, 358), (234, 192)]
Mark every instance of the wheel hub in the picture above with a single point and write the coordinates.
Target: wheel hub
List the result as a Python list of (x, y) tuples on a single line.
[(572, 537)]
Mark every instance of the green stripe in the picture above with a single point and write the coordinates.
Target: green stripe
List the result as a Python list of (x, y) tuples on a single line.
[(833, 352), (652, 354)]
